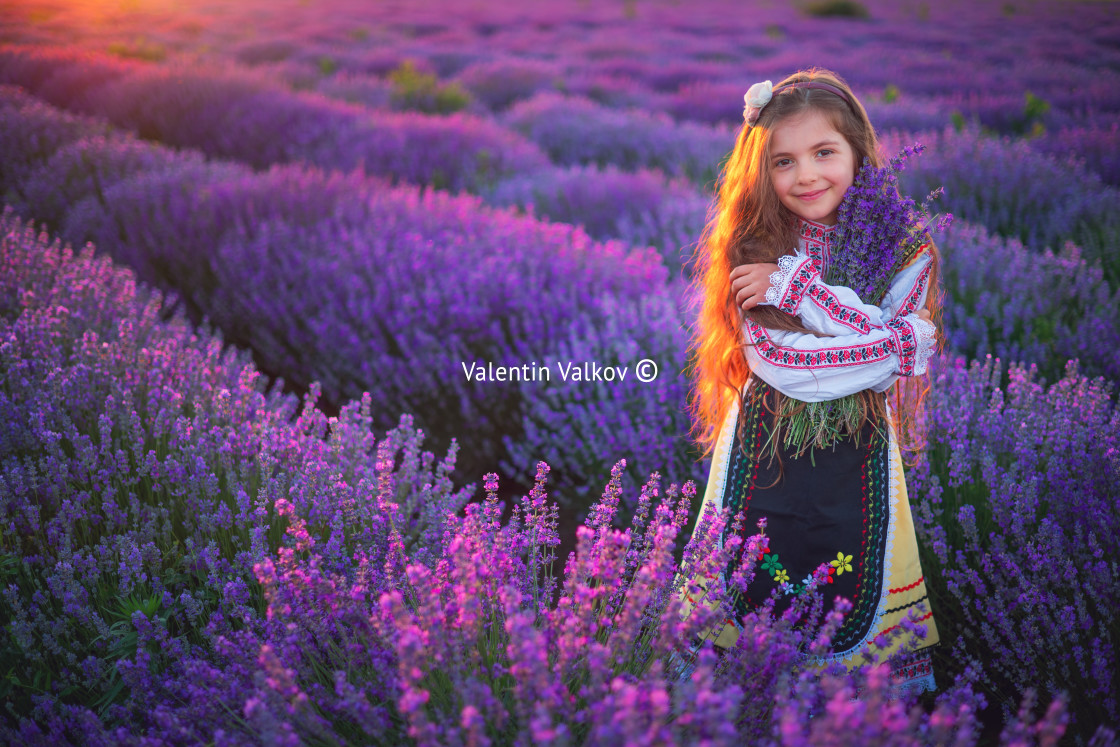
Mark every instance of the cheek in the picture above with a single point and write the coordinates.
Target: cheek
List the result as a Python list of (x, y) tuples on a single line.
[(780, 181), (843, 176)]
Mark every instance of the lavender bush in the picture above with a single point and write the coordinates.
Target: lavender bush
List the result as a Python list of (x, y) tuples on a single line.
[(260, 51), (708, 103), (615, 90), (1010, 189), (242, 115), (498, 83), (370, 91), (906, 113), (1098, 147), (642, 208), (58, 75), (566, 425), (329, 278), (144, 472), (30, 132), (90, 166), (1015, 499), (576, 130), (1005, 300)]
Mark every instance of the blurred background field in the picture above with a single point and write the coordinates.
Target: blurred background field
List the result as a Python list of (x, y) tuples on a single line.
[(306, 217)]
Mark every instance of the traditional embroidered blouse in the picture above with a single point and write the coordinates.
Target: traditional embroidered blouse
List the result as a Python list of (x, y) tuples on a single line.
[(864, 347)]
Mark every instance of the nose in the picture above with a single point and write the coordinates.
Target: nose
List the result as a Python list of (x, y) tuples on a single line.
[(806, 174)]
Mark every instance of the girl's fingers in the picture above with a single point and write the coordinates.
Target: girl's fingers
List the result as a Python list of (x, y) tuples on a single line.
[(747, 298), (745, 271), (749, 284)]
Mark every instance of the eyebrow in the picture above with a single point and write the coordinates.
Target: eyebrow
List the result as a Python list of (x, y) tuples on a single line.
[(818, 146)]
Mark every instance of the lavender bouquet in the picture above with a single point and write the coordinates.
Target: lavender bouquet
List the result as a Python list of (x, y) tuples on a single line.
[(878, 231)]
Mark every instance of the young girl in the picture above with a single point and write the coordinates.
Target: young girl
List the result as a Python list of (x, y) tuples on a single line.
[(773, 336)]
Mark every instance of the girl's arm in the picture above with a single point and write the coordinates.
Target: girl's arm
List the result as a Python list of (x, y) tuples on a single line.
[(797, 289), (814, 369)]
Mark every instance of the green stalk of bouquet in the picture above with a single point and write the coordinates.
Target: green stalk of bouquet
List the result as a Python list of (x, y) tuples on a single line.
[(806, 426)]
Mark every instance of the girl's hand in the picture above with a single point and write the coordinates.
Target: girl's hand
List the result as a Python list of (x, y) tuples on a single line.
[(923, 314), (749, 284)]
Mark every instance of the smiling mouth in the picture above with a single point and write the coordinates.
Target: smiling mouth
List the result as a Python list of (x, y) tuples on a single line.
[(811, 195)]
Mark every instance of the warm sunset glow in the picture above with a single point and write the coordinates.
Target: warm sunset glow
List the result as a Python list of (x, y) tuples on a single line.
[(583, 372)]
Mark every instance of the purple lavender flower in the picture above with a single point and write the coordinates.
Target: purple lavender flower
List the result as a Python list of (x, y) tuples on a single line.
[(877, 230)]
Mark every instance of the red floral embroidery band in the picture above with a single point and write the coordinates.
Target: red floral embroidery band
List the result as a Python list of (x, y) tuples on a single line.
[(817, 239), (915, 295), (803, 276), (826, 357), (907, 344), (846, 315)]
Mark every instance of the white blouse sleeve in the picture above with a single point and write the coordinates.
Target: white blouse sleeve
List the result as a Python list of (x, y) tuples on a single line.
[(815, 369), (836, 310)]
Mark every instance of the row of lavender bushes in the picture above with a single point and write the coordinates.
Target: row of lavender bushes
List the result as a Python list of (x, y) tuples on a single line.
[(1011, 189), (542, 103), (644, 209), (1002, 298), (194, 559), (239, 114), (362, 286), (245, 116), (146, 471), (976, 55), (1036, 197)]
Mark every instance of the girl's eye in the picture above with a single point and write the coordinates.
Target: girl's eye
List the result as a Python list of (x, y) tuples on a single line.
[(782, 162), (825, 151)]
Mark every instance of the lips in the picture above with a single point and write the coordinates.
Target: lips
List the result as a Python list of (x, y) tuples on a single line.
[(811, 195)]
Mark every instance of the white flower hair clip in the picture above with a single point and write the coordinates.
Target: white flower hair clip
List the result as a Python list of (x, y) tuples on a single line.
[(756, 97), (759, 95)]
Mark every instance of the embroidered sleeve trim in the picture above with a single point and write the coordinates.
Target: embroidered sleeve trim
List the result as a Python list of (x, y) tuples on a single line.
[(906, 343), (854, 319), (910, 300), (838, 357), (795, 277)]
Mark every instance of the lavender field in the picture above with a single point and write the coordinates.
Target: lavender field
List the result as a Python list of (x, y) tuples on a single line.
[(251, 252)]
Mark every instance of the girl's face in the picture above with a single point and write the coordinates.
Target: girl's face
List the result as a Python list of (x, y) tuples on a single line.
[(811, 165)]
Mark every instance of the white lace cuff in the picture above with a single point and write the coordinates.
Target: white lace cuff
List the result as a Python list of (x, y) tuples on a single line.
[(915, 340), (927, 344), (789, 283)]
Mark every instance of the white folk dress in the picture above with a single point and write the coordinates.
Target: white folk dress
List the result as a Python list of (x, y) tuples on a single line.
[(847, 506)]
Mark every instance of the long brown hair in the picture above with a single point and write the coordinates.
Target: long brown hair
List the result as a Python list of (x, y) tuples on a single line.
[(750, 225)]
